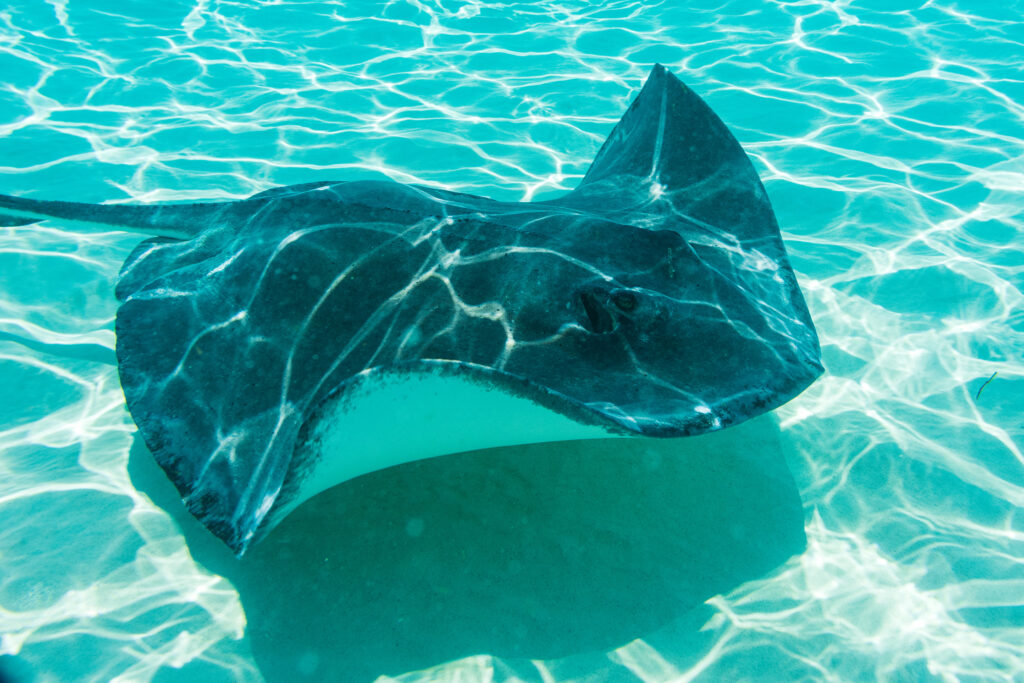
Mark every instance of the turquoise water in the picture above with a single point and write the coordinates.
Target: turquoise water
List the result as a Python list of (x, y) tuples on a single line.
[(891, 141)]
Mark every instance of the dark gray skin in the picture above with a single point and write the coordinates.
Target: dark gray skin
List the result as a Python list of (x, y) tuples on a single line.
[(654, 299)]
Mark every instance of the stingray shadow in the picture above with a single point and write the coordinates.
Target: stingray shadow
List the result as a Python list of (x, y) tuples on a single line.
[(543, 551)]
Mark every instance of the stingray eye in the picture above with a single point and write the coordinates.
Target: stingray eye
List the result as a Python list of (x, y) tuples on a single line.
[(626, 301)]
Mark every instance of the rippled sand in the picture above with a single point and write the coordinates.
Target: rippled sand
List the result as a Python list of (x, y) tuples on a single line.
[(892, 145)]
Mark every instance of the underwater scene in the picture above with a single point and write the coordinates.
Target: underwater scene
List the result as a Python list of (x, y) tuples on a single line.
[(866, 524)]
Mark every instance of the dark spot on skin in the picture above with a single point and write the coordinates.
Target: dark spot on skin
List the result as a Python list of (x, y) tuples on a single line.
[(601, 321)]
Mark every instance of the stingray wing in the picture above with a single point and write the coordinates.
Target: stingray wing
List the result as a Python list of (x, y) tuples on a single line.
[(671, 159), (672, 165), (224, 340)]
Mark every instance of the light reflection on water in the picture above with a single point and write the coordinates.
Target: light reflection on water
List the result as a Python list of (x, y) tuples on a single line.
[(891, 143)]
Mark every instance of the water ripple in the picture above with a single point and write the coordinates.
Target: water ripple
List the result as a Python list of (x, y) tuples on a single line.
[(890, 140)]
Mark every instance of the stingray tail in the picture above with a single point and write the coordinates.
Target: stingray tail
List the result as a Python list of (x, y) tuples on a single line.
[(179, 221)]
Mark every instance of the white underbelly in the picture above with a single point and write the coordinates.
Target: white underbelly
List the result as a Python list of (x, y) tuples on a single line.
[(389, 418)]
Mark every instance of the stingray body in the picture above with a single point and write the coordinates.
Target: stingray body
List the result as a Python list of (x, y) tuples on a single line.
[(273, 346)]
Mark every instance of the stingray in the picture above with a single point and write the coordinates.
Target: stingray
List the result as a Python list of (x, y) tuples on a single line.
[(271, 347)]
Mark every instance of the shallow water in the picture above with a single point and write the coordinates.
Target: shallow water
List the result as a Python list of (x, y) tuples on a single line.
[(891, 142)]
